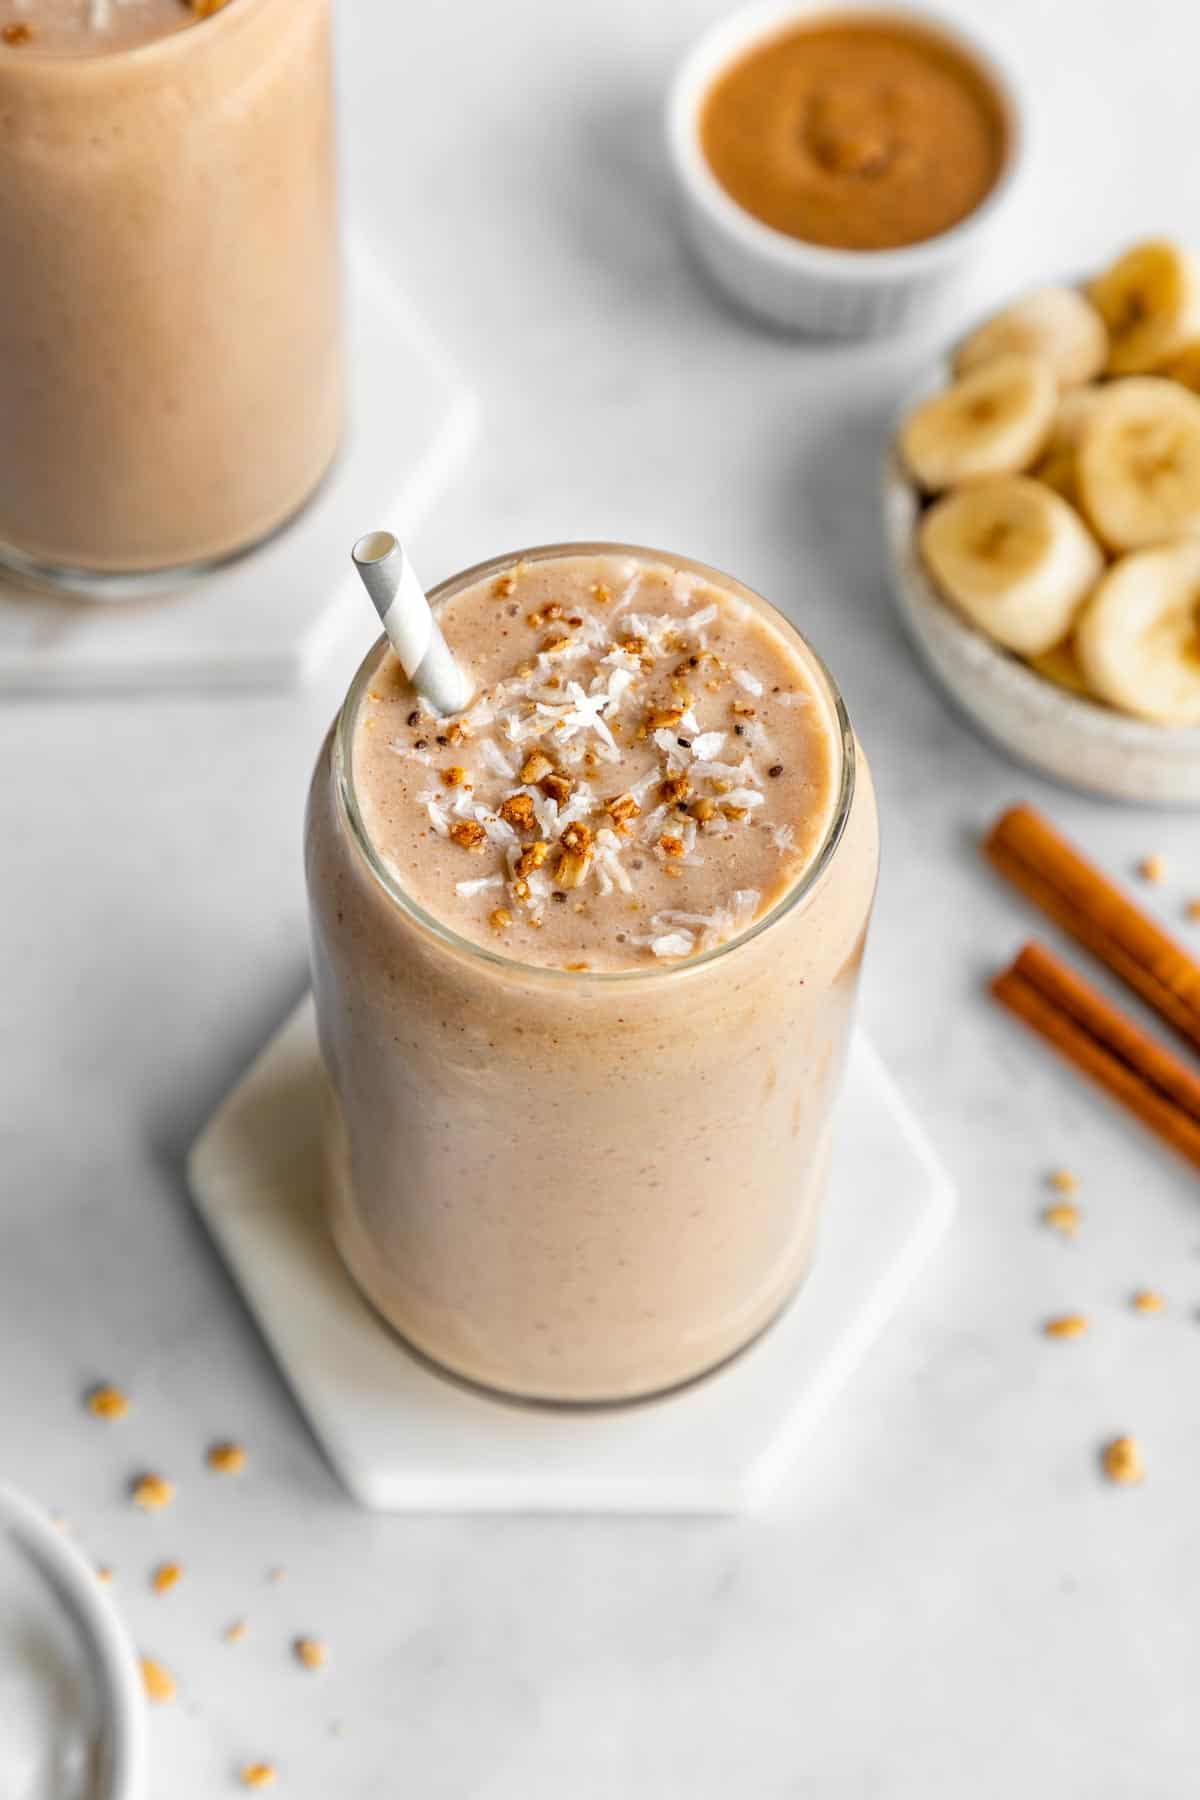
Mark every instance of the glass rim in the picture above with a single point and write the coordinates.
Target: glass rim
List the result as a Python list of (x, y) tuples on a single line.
[(343, 772), (164, 45)]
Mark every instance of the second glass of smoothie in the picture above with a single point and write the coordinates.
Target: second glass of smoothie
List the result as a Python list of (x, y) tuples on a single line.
[(585, 959), (170, 333)]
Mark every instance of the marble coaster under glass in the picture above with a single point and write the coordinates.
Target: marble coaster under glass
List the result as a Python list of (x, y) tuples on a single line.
[(268, 618), (404, 1438)]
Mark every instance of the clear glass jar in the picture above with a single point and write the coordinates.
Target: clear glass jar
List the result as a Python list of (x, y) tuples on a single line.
[(580, 1187), (170, 331)]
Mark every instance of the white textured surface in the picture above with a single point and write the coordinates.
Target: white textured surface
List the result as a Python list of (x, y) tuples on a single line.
[(404, 1439), (269, 618), (945, 1602)]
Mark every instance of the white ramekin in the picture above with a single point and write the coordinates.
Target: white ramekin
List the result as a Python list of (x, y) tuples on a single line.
[(117, 1752), (806, 287)]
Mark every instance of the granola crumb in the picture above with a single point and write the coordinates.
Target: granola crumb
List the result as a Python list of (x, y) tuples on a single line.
[(158, 1681), (518, 812), (1067, 1325), (310, 1652), (259, 1775), (107, 1402), (234, 1633), (455, 776), (504, 586), (226, 1459), (1122, 1462), (1152, 869), (500, 919), (1147, 1300), (166, 1576), (152, 1492), (469, 834), (1063, 1217)]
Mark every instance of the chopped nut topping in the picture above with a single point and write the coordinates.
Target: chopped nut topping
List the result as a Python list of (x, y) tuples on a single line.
[(1122, 1461), (1068, 1325), (575, 857), (672, 846), (20, 33), (166, 1576), (152, 1492), (734, 812), (634, 646), (1147, 1301), (703, 810), (455, 776), (621, 809), (457, 733), (1062, 1181), (226, 1459), (554, 611), (531, 859), (535, 620), (310, 1652), (1152, 869), (469, 834), (1063, 1216), (742, 712), (518, 812), (557, 787), (601, 593), (158, 1682), (576, 968), (535, 768), (105, 1402), (674, 789), (551, 644), (665, 718), (504, 586), (500, 919), (259, 1775)]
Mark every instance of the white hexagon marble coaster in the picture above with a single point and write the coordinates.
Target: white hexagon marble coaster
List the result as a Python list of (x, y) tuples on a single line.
[(268, 618), (404, 1438)]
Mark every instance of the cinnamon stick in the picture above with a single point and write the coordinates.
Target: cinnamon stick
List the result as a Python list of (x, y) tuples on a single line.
[(1099, 1041), (1026, 849)]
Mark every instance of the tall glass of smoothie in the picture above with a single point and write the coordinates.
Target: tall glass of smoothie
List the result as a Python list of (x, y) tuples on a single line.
[(170, 351), (585, 959)]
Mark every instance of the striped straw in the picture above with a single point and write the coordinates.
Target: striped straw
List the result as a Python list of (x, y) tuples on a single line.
[(408, 620)]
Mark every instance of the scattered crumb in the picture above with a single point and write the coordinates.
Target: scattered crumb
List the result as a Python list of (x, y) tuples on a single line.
[(1193, 911), (1122, 1461), (227, 1459), (105, 1575), (1062, 1181), (1063, 1217), (276, 1575), (166, 1576), (158, 1682), (236, 1632), (152, 1492), (1147, 1301), (107, 1402), (19, 33), (1067, 1325), (1152, 869), (259, 1775), (310, 1652)]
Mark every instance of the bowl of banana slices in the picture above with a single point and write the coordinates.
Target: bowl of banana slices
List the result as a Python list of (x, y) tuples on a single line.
[(1042, 512)]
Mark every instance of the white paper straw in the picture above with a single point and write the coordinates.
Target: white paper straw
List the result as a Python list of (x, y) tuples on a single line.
[(408, 620)]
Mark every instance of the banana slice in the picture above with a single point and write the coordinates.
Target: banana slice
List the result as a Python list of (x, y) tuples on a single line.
[(1056, 466), (1138, 463), (1150, 301), (1138, 638), (1061, 666), (1185, 368), (1056, 323), (994, 421), (1013, 557)]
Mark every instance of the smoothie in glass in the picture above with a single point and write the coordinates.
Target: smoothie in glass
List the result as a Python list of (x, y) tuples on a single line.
[(170, 353), (585, 959)]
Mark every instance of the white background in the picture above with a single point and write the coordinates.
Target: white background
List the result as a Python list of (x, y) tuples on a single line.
[(946, 1600)]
